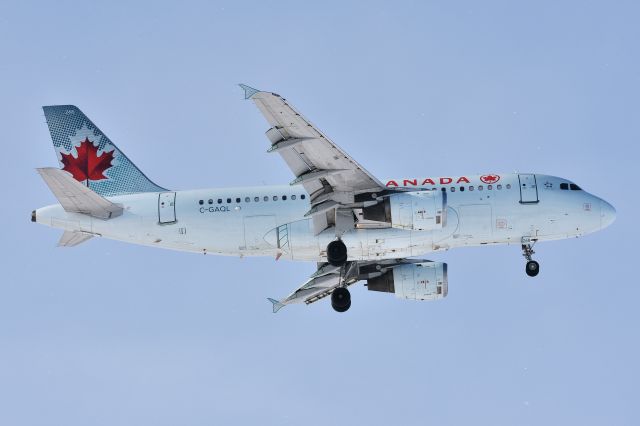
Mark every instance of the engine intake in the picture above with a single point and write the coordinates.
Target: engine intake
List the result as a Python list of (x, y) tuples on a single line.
[(415, 281)]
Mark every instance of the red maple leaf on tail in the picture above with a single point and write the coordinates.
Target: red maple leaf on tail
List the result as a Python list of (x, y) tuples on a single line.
[(88, 165)]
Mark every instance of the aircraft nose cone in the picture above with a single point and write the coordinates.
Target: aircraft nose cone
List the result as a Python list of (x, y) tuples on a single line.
[(607, 214)]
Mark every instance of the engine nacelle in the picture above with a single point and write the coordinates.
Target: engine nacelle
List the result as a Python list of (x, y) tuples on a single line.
[(415, 281), (417, 211)]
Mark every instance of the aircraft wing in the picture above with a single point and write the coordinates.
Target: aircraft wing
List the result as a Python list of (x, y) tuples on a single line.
[(328, 277), (328, 174), (319, 285)]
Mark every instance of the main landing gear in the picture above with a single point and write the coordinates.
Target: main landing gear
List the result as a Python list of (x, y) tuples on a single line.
[(341, 299), (532, 267), (337, 253), (337, 256)]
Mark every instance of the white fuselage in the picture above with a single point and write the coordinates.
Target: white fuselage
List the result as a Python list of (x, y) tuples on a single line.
[(229, 221)]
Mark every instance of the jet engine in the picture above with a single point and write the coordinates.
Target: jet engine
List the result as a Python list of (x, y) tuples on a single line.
[(418, 211), (415, 281)]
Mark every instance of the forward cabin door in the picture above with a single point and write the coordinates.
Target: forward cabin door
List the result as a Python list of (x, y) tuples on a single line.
[(167, 207), (528, 189)]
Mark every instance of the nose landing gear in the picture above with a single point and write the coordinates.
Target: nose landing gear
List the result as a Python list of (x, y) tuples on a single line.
[(532, 267)]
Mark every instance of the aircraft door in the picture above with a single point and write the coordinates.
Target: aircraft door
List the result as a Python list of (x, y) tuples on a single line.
[(167, 207), (528, 189)]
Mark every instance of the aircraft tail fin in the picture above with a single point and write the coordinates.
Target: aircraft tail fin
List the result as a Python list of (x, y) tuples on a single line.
[(90, 156)]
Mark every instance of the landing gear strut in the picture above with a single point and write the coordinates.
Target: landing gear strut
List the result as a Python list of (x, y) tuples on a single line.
[(532, 267), (337, 253), (341, 299)]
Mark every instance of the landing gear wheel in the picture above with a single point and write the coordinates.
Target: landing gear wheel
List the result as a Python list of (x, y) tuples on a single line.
[(532, 268), (337, 253), (341, 299)]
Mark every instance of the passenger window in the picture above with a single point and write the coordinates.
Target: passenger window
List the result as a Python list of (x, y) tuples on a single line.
[(256, 199), (265, 198), (275, 198), (443, 189), (453, 189), (302, 197), (499, 186), (461, 188), (293, 197), (284, 198), (508, 186), (201, 202), (219, 200), (210, 201), (480, 187), (247, 199), (228, 200), (471, 188), (237, 200), (489, 187), (574, 187), (564, 186)]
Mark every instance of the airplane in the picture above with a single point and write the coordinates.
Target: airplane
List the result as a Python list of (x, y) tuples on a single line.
[(334, 212)]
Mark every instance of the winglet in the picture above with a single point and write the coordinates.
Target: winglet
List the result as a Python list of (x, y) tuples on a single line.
[(248, 91), (276, 304)]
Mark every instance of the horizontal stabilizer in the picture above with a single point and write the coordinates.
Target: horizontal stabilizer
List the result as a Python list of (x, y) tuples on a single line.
[(276, 305), (72, 239), (77, 198)]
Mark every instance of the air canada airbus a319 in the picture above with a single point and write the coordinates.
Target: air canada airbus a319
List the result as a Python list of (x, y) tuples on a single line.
[(334, 212)]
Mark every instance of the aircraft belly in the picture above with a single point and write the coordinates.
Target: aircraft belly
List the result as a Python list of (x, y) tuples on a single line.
[(297, 241), (369, 244), (390, 243), (303, 244), (474, 224)]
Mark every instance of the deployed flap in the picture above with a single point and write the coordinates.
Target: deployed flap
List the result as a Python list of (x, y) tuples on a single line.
[(77, 198), (72, 239)]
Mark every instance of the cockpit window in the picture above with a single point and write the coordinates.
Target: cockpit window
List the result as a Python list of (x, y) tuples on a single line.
[(564, 186), (574, 187)]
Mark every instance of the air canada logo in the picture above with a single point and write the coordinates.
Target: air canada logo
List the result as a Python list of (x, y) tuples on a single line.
[(489, 178), (87, 165)]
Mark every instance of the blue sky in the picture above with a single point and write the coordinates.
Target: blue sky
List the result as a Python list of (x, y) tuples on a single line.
[(112, 334)]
